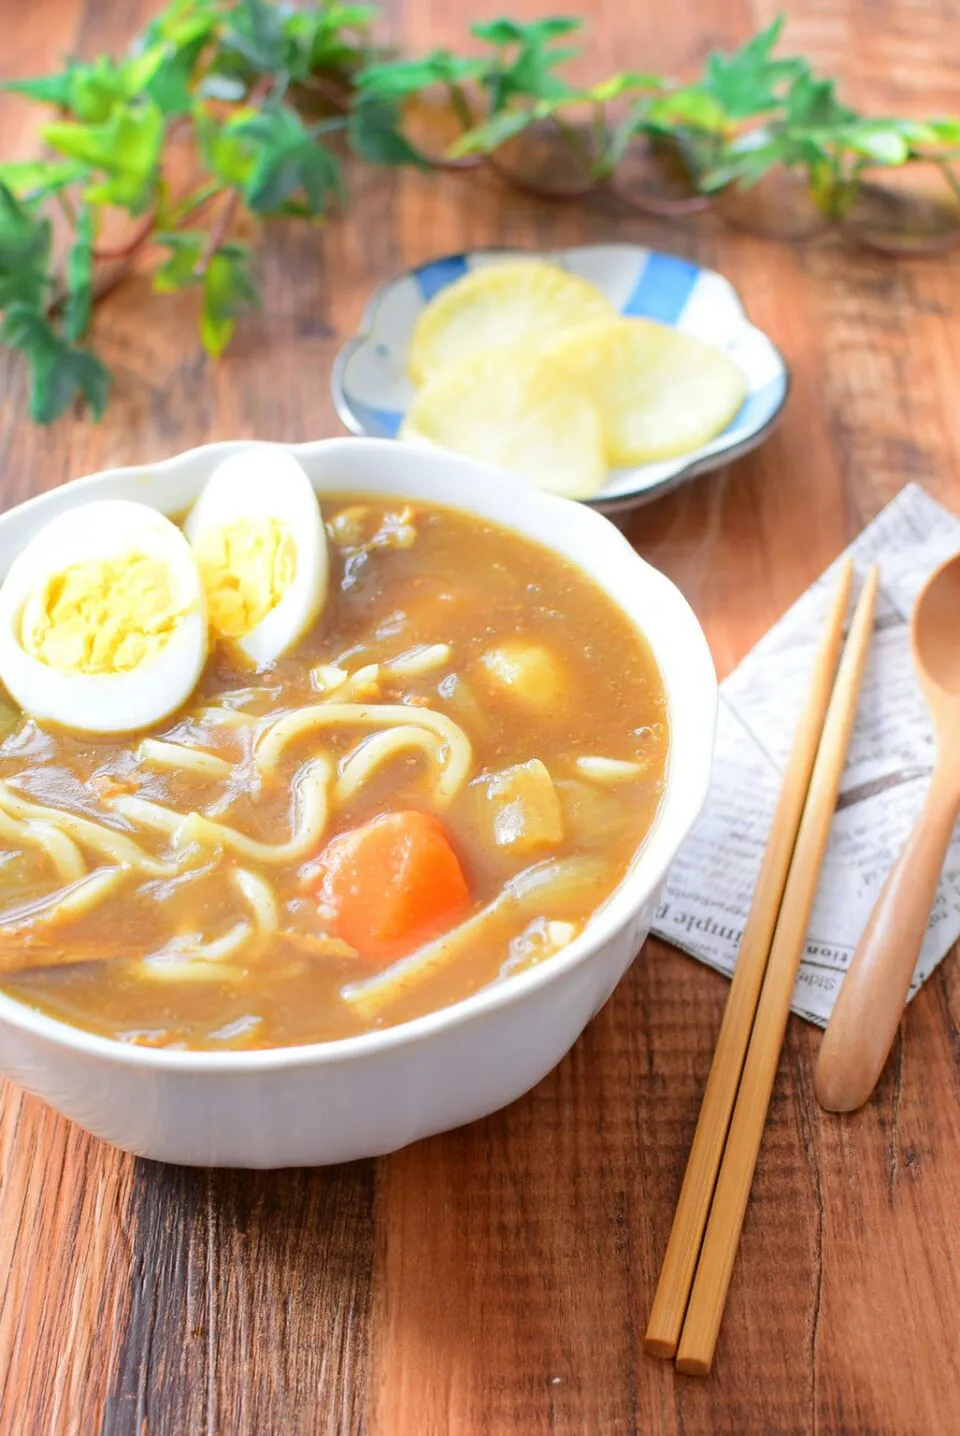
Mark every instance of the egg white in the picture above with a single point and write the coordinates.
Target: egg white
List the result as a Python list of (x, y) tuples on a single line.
[(105, 702), (262, 483)]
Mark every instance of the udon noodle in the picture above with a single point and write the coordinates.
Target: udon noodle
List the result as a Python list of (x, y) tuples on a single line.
[(175, 888)]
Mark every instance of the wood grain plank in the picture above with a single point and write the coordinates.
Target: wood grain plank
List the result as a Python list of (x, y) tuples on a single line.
[(64, 1235), (250, 1303), (64, 1249)]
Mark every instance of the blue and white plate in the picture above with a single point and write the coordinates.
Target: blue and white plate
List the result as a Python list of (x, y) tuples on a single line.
[(371, 389)]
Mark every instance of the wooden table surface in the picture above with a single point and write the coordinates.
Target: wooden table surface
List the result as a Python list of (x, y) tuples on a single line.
[(495, 1281)]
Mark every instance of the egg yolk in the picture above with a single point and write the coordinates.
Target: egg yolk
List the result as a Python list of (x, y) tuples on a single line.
[(246, 569), (102, 616)]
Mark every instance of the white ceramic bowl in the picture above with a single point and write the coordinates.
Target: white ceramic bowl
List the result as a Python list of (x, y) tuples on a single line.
[(334, 1101)]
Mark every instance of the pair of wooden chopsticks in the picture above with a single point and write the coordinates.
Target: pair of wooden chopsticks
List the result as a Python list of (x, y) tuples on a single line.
[(690, 1297)]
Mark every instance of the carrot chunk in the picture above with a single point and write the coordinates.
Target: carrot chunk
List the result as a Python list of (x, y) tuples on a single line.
[(392, 883)]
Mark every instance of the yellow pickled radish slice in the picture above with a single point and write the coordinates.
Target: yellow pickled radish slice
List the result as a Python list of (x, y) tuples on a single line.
[(660, 393), (519, 300), (515, 409)]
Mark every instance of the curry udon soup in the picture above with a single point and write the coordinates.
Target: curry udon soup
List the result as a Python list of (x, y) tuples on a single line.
[(433, 787)]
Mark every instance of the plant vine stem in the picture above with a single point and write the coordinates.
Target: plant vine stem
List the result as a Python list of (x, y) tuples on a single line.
[(191, 207), (66, 206), (460, 105), (813, 231), (538, 191), (659, 207), (949, 176), (334, 94), (224, 219), (599, 131), (461, 108), (893, 249), (574, 139), (215, 237), (464, 162)]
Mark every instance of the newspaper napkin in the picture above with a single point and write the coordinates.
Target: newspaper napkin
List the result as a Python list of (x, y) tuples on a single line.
[(710, 886)]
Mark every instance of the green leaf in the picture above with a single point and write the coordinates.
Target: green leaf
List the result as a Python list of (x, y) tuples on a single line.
[(30, 287), (96, 89), (945, 131), (625, 83), (179, 24), (511, 32), (32, 179), (532, 74), (812, 104), (138, 72), (318, 37), (919, 134), (227, 153), (375, 135), (227, 289), (395, 80), (47, 89), (182, 23), (880, 141), (59, 371), (351, 17), (746, 160), (693, 106), (254, 30), (493, 133), (288, 159), (127, 148), (750, 81), (25, 242), (226, 282), (529, 72), (76, 319), (171, 87), (179, 271), (92, 91)]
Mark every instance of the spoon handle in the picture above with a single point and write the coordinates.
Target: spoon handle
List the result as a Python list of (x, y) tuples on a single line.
[(870, 1004)]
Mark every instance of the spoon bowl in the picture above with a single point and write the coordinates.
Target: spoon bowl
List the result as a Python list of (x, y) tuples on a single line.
[(935, 632), (868, 1010)]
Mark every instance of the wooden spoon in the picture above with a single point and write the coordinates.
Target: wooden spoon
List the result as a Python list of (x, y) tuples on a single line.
[(864, 1022)]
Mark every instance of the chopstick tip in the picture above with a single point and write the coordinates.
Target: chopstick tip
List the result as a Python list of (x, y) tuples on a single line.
[(693, 1366), (660, 1346)]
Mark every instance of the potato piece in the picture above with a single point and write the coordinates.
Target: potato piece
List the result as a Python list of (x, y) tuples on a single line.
[(456, 691), (592, 816), (505, 303), (515, 409), (525, 670), (660, 393), (521, 807)]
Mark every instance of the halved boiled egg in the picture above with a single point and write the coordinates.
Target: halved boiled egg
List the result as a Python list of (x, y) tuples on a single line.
[(103, 622), (258, 537)]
